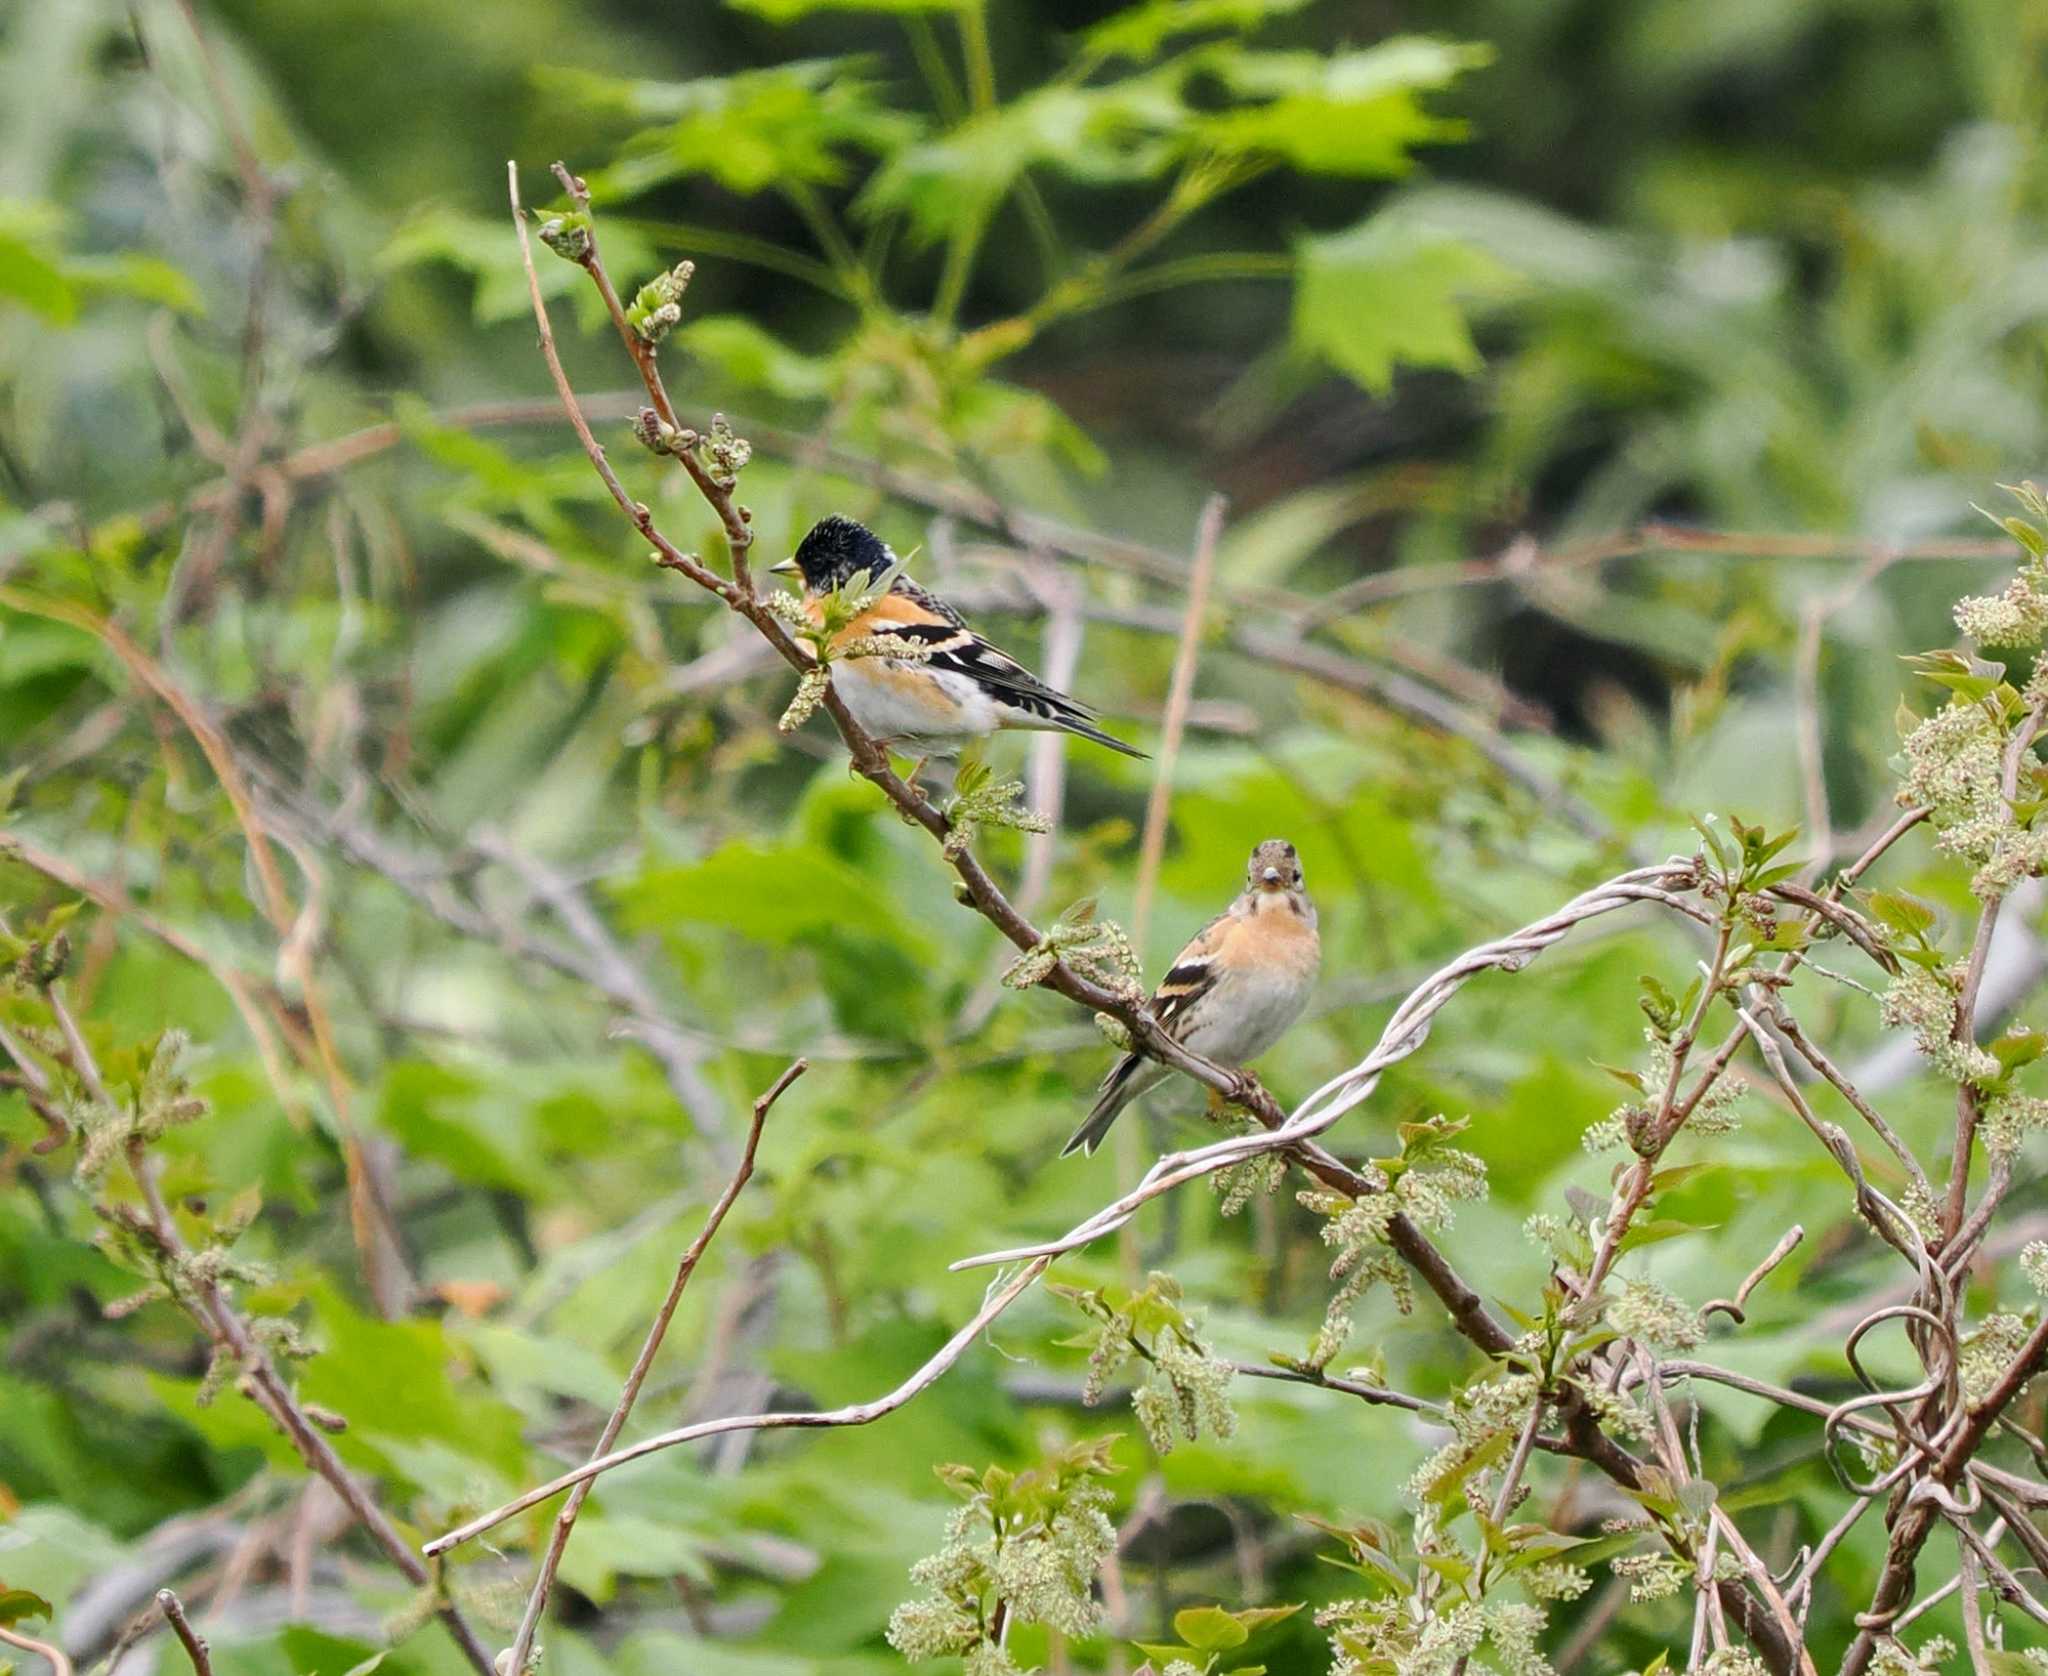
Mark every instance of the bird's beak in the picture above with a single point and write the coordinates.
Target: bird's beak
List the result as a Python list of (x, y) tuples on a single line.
[(788, 567), (1271, 876)]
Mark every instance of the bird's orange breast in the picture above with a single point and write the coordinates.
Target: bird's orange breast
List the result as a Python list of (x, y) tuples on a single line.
[(1273, 937)]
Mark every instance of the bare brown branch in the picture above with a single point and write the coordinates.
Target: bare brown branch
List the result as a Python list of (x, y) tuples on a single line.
[(565, 1521), (224, 1326), (194, 1643)]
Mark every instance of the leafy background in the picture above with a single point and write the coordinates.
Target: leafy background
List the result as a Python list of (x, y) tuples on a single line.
[(1562, 286)]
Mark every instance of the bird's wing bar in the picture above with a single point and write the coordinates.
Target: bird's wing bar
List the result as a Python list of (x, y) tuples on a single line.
[(1192, 975)]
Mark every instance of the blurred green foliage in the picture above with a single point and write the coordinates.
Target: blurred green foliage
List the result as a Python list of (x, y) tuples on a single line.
[(1416, 286)]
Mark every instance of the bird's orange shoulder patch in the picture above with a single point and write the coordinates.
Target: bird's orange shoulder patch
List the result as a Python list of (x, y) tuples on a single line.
[(899, 608), (897, 614)]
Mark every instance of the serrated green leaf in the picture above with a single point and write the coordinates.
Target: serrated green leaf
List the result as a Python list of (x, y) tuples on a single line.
[(1623, 1075), (2026, 535), (1391, 292), (1521, 1317), (1943, 661), (1717, 842), (1126, 130), (1658, 1229), (1595, 1549), (1209, 1629), (789, 124), (2019, 1046), (1697, 1497), (753, 358), (1969, 688), (1348, 113), (1763, 848), (487, 250), (1899, 912), (1483, 1455)]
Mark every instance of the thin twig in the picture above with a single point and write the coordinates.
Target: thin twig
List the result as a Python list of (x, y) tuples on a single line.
[(615, 975), (1180, 693), (230, 1336), (1379, 1395), (217, 1317), (1809, 1050), (1968, 1101), (1129, 1144), (377, 1239), (1521, 560), (1788, 1242), (59, 1664), (221, 1322), (2004, 1581), (1813, 623), (565, 1521), (1916, 1521), (854, 1414), (196, 1648), (739, 532), (1592, 1623), (1801, 1588), (256, 1002), (1973, 1605)]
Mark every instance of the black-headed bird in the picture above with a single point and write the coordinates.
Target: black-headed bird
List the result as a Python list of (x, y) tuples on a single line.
[(1233, 991), (952, 686)]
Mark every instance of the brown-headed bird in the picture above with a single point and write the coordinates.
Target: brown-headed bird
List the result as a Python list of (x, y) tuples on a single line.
[(1233, 991), (952, 686)]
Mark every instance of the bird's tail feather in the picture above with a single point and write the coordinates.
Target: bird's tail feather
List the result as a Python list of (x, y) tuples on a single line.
[(1115, 1094), (1087, 730)]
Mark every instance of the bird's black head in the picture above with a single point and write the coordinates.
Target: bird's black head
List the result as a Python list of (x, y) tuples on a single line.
[(834, 552)]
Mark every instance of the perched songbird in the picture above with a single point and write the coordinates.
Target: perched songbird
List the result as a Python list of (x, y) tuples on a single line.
[(1233, 991), (960, 689)]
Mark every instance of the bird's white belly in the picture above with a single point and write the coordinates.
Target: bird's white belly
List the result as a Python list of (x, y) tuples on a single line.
[(895, 699), (1252, 1016)]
